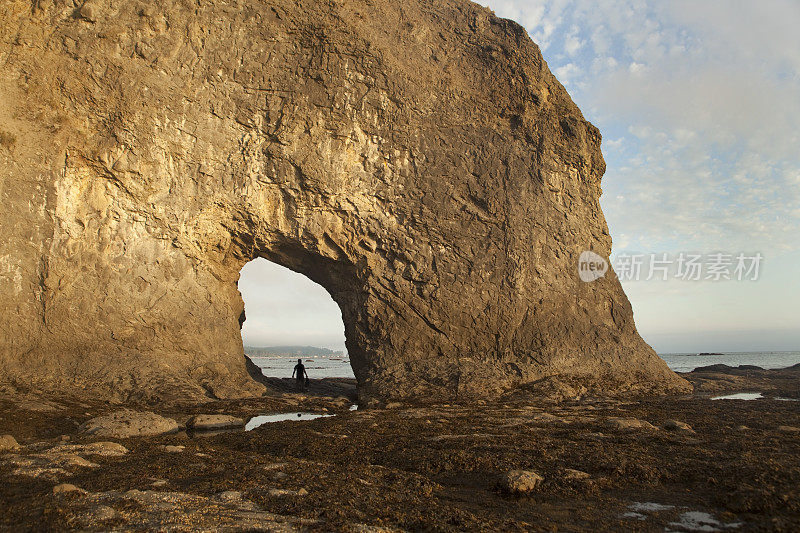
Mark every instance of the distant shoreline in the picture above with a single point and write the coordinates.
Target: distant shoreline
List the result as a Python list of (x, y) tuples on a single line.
[(291, 350)]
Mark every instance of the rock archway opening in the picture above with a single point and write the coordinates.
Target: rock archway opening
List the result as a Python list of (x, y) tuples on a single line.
[(287, 317)]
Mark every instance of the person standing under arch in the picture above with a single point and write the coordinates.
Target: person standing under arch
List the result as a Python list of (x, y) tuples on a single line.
[(300, 375)]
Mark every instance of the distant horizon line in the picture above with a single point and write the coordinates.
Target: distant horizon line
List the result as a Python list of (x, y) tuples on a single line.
[(684, 352)]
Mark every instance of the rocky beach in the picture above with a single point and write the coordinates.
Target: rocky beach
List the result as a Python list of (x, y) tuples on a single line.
[(525, 462), (423, 165)]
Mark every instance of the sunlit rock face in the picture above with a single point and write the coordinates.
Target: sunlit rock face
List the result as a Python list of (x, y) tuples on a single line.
[(417, 159)]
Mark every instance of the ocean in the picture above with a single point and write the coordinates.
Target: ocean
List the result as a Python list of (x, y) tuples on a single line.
[(338, 366), (686, 362), (317, 366)]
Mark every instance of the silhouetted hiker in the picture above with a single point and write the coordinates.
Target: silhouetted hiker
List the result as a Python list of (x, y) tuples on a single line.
[(300, 375)]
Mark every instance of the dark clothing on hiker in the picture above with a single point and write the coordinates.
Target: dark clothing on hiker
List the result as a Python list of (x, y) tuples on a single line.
[(300, 374)]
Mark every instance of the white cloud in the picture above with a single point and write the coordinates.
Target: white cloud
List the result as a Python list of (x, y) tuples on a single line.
[(637, 69), (705, 107), (573, 43), (567, 74)]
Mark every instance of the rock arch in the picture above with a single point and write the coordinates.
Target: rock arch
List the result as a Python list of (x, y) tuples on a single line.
[(427, 169)]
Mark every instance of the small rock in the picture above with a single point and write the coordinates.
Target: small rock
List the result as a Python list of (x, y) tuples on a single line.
[(287, 492), (159, 483), (170, 448), (128, 423), (595, 436), (521, 481), (73, 460), (788, 429), (206, 422), (575, 475), (103, 512), (8, 443), (65, 438), (546, 418), (677, 425), (106, 449), (63, 488), (229, 496), (275, 466), (394, 405), (625, 424)]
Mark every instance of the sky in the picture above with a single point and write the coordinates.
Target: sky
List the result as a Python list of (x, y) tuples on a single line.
[(283, 308), (699, 107)]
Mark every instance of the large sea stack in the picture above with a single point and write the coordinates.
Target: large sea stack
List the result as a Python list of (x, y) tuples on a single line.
[(417, 159)]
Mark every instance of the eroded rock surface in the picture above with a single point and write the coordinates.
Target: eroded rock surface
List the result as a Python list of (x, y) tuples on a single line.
[(128, 423), (176, 511), (417, 159), (63, 459)]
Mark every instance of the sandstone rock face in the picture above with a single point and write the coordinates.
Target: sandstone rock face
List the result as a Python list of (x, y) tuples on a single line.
[(417, 159)]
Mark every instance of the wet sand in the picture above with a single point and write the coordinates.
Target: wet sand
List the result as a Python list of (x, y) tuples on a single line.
[(606, 464)]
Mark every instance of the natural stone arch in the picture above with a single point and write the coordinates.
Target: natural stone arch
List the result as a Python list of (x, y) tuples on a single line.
[(428, 171)]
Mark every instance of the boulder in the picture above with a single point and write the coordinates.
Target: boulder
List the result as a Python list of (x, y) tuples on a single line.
[(128, 423), (628, 424), (106, 449), (8, 443), (63, 488), (172, 448), (209, 422), (520, 481), (575, 475), (287, 492), (103, 449), (677, 425), (229, 496)]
